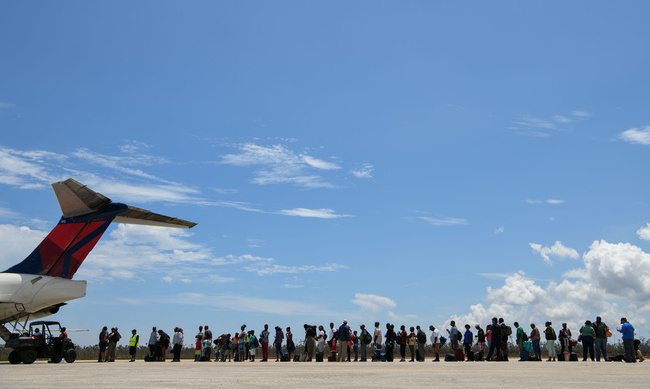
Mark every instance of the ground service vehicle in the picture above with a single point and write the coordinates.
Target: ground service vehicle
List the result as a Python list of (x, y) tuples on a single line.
[(39, 342)]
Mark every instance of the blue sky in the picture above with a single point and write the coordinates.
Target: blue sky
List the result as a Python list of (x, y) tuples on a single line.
[(408, 162)]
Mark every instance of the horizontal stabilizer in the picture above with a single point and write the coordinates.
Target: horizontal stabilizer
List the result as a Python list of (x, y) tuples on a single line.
[(76, 199)]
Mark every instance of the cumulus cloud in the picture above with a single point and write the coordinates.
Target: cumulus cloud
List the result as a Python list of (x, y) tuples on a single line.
[(635, 135), (644, 232), (372, 303), (614, 281), (558, 250), (17, 243)]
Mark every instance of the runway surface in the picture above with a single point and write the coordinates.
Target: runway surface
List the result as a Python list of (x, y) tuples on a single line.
[(511, 374)]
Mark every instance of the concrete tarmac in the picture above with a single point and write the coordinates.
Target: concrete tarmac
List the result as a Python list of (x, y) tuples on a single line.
[(190, 374)]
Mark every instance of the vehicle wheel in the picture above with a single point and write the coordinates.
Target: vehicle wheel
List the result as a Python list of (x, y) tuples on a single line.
[(70, 355), (28, 356), (14, 357)]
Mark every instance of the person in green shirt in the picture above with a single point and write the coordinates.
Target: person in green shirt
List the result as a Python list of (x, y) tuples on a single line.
[(587, 333), (521, 338)]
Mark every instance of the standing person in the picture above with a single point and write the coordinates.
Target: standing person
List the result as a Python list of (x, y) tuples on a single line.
[(242, 344), (521, 338), (310, 334), (277, 341), (565, 339), (320, 341), (177, 344), (376, 339), (468, 340), (435, 342), (113, 338), (422, 340), (366, 339), (402, 337), (199, 337), (103, 342), (355, 345), (253, 344), (495, 342), (207, 344), (390, 338), (480, 340), (551, 337), (627, 330), (264, 342), (412, 341), (333, 337), (601, 338), (163, 338), (506, 331), (587, 333), (454, 335), (152, 342), (535, 338), (343, 340), (291, 347), (235, 347), (133, 344)]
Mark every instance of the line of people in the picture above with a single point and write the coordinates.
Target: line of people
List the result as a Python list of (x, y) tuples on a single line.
[(490, 344)]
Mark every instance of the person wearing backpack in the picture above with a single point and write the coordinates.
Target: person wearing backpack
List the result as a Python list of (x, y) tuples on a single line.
[(551, 337), (454, 336), (495, 343), (365, 340), (253, 343), (422, 340)]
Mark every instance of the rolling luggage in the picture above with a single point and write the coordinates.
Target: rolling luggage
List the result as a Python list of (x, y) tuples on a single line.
[(470, 356), (460, 355)]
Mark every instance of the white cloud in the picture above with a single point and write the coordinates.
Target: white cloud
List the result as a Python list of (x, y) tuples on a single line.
[(280, 165), (364, 172), (558, 250), (581, 114), (549, 201), (613, 282), (443, 221), (644, 232), (242, 303), (322, 213), (265, 269), (499, 230), (635, 135), (17, 243), (373, 302)]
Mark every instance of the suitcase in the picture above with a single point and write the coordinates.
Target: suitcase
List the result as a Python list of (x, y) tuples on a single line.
[(319, 357), (331, 358), (284, 357), (561, 357), (296, 358), (383, 357), (470, 356), (460, 355), (150, 358), (573, 357)]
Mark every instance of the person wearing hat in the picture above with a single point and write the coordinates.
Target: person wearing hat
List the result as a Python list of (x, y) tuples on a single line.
[(627, 330), (133, 344)]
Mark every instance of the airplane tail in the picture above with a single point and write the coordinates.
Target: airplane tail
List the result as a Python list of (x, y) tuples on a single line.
[(86, 216)]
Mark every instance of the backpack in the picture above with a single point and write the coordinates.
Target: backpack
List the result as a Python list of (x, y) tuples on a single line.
[(255, 342), (367, 338), (508, 330), (459, 336), (422, 337), (324, 336)]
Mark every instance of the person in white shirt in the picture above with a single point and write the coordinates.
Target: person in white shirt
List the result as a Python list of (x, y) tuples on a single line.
[(320, 339), (376, 340), (435, 341)]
